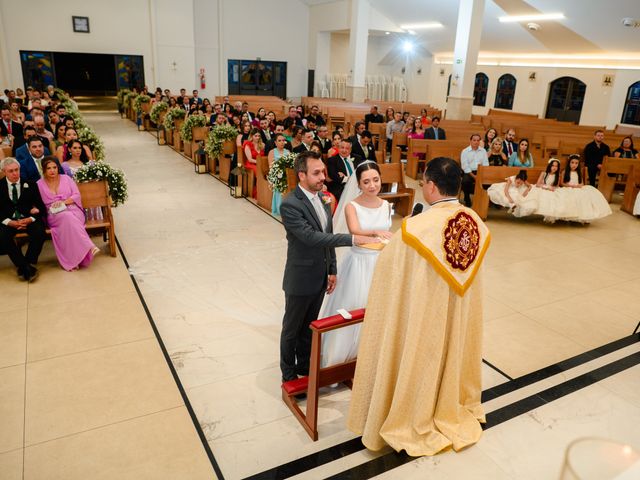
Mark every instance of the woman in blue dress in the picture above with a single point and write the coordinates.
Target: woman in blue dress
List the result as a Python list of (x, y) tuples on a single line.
[(276, 154), (522, 158)]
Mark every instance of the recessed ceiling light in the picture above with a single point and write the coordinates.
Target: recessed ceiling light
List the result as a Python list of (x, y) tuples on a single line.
[(407, 46), (387, 33), (421, 26), (411, 32), (531, 18)]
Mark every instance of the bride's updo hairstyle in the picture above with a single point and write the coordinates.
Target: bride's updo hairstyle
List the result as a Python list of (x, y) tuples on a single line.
[(364, 166)]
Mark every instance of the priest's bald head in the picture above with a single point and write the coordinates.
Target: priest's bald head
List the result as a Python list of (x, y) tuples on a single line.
[(442, 179)]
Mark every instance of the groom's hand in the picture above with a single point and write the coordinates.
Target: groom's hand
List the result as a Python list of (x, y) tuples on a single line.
[(362, 240), (331, 284)]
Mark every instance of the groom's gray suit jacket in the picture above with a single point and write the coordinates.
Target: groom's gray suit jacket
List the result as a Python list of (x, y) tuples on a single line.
[(311, 255)]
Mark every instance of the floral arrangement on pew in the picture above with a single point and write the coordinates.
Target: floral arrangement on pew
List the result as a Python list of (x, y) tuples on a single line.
[(191, 122), (172, 115), (139, 100), (128, 97), (121, 94), (157, 110), (217, 136), (86, 134), (96, 171), (277, 176)]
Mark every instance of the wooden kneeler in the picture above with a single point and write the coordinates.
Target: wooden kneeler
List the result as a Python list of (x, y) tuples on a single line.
[(319, 377)]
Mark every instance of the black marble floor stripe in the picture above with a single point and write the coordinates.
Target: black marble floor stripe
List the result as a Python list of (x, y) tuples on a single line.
[(493, 367), (165, 353), (311, 461), (559, 367), (387, 462)]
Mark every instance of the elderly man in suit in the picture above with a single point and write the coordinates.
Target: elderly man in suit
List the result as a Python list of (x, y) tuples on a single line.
[(311, 269), (340, 167), (21, 210), (8, 126)]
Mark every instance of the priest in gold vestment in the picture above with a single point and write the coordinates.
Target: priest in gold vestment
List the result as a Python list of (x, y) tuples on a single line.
[(417, 383)]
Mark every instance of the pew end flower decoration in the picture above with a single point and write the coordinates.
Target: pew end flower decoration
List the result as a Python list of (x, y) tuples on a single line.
[(217, 136), (277, 176), (156, 111), (175, 113), (116, 180), (191, 122)]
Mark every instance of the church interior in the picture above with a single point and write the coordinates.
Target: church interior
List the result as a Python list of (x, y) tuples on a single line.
[(161, 359)]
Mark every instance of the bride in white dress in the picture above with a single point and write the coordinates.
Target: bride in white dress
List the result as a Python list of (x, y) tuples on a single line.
[(369, 215)]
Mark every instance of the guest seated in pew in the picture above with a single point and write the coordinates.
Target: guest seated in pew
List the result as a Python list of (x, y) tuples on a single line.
[(71, 134), (243, 136), (470, 158), (434, 132), (363, 147), (496, 156), (626, 150), (253, 148), (76, 158), (512, 193), (59, 131), (306, 141), (221, 119), (30, 166), (522, 157), (265, 132), (389, 114), (424, 118), (336, 138), (394, 126), (261, 114), (314, 116), (373, 117), (550, 178), (293, 115), (509, 145), (271, 116), (21, 210), (489, 136), (358, 128), (594, 154), (340, 167), (279, 130), (296, 136), (322, 136), (65, 217)]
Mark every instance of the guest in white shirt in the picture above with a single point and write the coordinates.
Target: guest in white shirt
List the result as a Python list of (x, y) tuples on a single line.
[(396, 125), (470, 158)]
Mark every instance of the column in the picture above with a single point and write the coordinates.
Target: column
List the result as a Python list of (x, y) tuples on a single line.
[(323, 58), (465, 59), (358, 42)]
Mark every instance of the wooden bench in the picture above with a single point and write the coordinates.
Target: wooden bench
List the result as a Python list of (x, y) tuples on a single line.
[(402, 198), (94, 195), (488, 176), (614, 166), (265, 194), (631, 190), (319, 376), (398, 141)]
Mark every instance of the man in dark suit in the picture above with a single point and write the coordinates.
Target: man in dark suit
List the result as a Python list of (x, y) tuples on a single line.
[(265, 133), (509, 144), (196, 99), (373, 117), (8, 126), (322, 137), (364, 148), (311, 269), (434, 132), (340, 167), (314, 116), (307, 140), (21, 210), (30, 162)]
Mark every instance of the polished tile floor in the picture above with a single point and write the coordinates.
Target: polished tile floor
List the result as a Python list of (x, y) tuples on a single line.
[(85, 383)]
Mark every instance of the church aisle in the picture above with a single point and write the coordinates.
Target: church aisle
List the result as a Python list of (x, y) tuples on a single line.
[(210, 268)]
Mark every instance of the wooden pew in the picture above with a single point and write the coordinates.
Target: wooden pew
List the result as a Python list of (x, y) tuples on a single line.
[(431, 149), (398, 141), (488, 176), (94, 195), (402, 198), (615, 166), (631, 190), (265, 194), (319, 376)]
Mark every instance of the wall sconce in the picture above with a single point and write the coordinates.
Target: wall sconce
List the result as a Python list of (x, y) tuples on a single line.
[(173, 66), (419, 71), (442, 72), (403, 70), (607, 80), (532, 76)]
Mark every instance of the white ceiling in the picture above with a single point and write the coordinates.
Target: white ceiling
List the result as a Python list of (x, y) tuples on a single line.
[(591, 27)]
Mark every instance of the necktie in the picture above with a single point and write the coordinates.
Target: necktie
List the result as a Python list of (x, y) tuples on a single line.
[(14, 193), (317, 205), (436, 133), (8, 127), (38, 166), (366, 151), (348, 165)]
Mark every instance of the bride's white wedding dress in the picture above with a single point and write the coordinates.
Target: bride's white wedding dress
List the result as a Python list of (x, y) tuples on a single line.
[(352, 289)]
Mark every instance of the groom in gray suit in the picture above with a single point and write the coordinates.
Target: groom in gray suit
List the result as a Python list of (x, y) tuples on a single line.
[(311, 262)]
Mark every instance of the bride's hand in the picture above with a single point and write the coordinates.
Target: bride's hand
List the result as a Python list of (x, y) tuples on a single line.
[(383, 234)]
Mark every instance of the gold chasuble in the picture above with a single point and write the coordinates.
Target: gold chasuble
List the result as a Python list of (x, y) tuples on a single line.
[(417, 384)]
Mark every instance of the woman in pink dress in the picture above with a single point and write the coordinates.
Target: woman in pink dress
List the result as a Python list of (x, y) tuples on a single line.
[(65, 217)]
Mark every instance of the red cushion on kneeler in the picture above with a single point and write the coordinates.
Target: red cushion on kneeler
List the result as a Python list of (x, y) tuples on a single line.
[(293, 387), (333, 320)]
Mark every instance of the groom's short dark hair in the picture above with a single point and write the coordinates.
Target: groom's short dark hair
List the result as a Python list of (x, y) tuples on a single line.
[(300, 163)]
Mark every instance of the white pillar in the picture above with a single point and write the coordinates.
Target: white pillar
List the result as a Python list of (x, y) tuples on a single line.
[(323, 60), (358, 40), (465, 59), (6, 79)]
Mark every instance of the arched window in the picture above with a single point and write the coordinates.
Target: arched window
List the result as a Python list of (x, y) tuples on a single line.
[(506, 91), (480, 90), (631, 112)]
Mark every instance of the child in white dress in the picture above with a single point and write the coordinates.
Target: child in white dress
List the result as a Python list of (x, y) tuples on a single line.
[(511, 194)]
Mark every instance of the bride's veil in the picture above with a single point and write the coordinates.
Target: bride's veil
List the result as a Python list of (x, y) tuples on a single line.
[(350, 192)]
